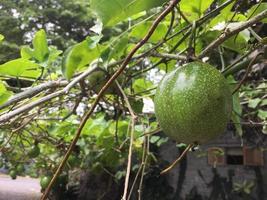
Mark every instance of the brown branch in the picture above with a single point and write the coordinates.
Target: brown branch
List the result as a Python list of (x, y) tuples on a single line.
[(246, 74), (142, 165), (169, 56), (25, 123), (7, 116), (133, 119), (143, 170), (171, 24), (151, 132), (29, 106), (177, 160), (229, 33), (105, 87), (33, 91)]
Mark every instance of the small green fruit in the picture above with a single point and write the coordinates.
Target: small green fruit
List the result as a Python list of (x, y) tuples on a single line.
[(34, 151), (99, 78), (13, 174), (44, 182), (20, 168), (193, 103)]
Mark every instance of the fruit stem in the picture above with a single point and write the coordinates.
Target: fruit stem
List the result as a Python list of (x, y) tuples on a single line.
[(177, 160)]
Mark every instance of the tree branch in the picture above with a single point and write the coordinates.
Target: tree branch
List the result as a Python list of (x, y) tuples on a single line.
[(44, 99), (165, 12), (246, 74), (169, 56), (33, 91), (229, 33), (177, 160)]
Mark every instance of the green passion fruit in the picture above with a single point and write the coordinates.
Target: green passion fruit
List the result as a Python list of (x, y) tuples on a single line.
[(44, 181), (193, 103), (20, 168), (34, 151), (98, 79), (13, 174)]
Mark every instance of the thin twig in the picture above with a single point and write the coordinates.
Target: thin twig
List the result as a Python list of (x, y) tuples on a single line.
[(143, 170), (27, 121), (220, 49), (73, 111), (229, 33), (133, 119), (44, 99), (151, 132), (177, 160), (237, 61), (33, 91), (129, 164), (246, 74), (86, 116), (169, 56), (144, 156), (171, 25)]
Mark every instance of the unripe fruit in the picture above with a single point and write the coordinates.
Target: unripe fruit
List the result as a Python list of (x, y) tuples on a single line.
[(13, 174), (99, 78), (34, 151), (44, 182), (193, 103), (20, 168)]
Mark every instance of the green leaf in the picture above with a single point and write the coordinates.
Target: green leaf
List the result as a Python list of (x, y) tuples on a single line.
[(194, 9), (224, 15), (141, 85), (264, 102), (253, 103), (154, 139), (40, 46), (116, 48), (26, 52), (237, 43), (53, 54), (120, 127), (4, 93), (112, 12), (95, 126), (256, 9), (264, 129), (262, 114), (137, 105), (20, 67), (80, 55), (162, 141), (237, 109), (1, 37), (140, 31)]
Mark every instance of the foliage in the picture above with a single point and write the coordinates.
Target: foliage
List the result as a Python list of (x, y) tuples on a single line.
[(63, 40)]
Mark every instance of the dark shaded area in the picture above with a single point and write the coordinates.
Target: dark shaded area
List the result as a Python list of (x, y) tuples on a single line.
[(182, 174), (99, 186), (234, 159)]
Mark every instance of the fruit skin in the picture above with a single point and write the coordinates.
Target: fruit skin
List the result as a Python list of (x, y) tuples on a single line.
[(44, 182), (97, 80), (20, 168), (13, 174), (34, 151), (193, 103)]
